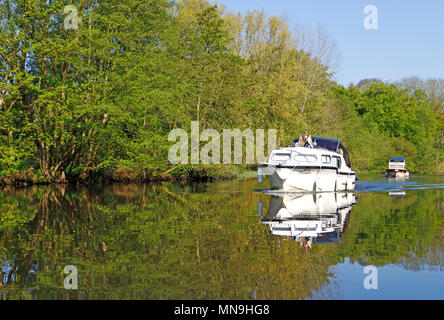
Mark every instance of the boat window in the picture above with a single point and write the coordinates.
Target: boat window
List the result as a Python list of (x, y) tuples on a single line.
[(326, 159), (305, 158), (305, 229), (281, 228), (337, 162), (281, 157)]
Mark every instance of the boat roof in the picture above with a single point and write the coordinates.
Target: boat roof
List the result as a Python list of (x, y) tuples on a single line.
[(320, 138), (397, 159), (334, 145), (329, 139), (327, 143)]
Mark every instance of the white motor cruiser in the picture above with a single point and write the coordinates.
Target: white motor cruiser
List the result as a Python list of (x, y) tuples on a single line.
[(397, 169), (323, 165)]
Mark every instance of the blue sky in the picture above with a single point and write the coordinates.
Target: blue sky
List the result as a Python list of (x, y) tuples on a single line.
[(409, 40), (394, 282)]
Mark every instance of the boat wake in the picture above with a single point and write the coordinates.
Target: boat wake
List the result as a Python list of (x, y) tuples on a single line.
[(379, 184), (393, 185)]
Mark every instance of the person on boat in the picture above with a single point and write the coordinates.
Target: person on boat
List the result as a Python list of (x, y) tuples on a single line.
[(298, 142)]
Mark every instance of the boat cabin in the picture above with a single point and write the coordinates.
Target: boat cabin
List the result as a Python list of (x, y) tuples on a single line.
[(397, 164), (317, 165), (333, 145)]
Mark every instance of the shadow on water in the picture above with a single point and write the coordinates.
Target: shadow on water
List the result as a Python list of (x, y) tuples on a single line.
[(206, 240)]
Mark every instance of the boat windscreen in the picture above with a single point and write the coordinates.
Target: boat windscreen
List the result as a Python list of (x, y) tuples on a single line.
[(328, 144), (332, 237), (397, 160), (344, 153)]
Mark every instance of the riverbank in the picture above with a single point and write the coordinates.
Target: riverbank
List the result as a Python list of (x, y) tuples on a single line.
[(181, 174), (178, 174)]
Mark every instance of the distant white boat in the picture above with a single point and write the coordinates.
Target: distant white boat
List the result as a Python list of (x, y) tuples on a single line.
[(397, 169), (322, 167)]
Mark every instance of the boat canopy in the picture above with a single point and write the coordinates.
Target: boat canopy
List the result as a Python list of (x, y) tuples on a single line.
[(325, 143), (333, 145), (326, 238), (397, 159)]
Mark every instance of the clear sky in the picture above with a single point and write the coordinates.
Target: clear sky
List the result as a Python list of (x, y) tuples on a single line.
[(409, 40)]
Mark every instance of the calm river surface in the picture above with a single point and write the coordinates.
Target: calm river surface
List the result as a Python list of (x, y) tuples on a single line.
[(224, 240)]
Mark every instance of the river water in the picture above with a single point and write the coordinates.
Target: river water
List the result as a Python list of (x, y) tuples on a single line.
[(224, 240)]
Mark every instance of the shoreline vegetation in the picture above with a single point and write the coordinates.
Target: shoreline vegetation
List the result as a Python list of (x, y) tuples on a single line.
[(198, 173), (201, 174), (97, 103)]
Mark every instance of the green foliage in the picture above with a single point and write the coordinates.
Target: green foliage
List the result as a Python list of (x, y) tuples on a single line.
[(391, 122), (104, 97)]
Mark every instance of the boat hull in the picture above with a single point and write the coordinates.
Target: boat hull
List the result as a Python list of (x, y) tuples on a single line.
[(311, 180), (398, 174)]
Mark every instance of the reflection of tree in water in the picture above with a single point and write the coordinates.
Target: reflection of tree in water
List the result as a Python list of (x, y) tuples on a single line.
[(406, 231), (168, 242), (433, 257), (145, 242), (36, 236), (332, 290)]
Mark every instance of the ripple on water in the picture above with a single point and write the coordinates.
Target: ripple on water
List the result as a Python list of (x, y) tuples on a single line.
[(382, 184)]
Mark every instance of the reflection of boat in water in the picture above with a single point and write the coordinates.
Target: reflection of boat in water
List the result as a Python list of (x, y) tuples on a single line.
[(311, 218), (397, 180), (324, 166), (397, 194), (397, 169)]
